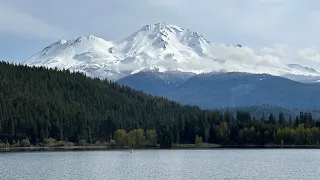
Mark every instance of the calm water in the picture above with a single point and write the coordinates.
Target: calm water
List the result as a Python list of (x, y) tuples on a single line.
[(162, 164)]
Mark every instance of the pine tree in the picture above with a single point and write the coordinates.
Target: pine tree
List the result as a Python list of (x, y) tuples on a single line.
[(45, 105), (282, 119)]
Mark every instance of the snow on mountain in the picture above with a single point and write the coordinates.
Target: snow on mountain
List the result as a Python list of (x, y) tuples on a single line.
[(163, 47), (303, 69), (87, 54)]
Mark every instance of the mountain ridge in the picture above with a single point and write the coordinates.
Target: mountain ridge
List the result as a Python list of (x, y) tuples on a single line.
[(163, 47), (232, 89)]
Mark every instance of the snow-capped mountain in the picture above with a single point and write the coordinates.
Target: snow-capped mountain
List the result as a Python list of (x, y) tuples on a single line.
[(163, 47)]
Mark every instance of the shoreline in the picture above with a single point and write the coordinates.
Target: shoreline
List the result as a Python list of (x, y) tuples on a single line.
[(177, 147)]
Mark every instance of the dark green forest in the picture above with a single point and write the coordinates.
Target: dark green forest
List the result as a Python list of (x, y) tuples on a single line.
[(40, 105)]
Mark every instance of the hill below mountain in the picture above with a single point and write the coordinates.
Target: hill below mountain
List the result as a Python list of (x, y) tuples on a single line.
[(38, 103), (217, 90)]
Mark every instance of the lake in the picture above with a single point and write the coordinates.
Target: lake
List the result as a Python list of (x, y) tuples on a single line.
[(250, 164)]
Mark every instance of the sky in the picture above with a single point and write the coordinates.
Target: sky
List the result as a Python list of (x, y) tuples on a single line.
[(26, 27)]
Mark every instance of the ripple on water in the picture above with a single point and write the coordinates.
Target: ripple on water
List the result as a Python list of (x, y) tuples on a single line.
[(163, 164)]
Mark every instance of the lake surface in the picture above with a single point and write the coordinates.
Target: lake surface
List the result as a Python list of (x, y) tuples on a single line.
[(250, 164)]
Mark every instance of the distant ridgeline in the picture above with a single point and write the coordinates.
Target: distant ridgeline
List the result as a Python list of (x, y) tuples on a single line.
[(40, 106), (258, 111)]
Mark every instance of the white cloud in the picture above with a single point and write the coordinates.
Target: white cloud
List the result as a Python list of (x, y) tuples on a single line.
[(291, 54), (13, 22)]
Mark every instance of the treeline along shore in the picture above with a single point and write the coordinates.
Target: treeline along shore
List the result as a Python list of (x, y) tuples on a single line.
[(45, 109)]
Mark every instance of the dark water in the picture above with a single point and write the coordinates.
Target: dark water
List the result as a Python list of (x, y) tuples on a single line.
[(162, 164)]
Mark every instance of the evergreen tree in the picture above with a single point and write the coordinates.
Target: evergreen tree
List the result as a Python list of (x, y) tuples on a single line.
[(47, 106), (272, 119), (282, 119)]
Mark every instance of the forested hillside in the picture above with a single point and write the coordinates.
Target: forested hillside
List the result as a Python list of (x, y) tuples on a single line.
[(231, 89), (39, 103)]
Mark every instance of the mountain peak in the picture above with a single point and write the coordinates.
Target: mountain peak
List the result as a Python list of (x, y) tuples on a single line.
[(62, 41), (161, 26), (166, 28), (163, 37), (89, 37)]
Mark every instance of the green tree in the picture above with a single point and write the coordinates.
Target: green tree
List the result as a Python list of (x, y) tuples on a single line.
[(198, 141), (120, 136), (25, 143), (223, 132), (282, 119), (151, 139), (272, 119), (166, 138), (176, 135), (300, 135), (37, 103)]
